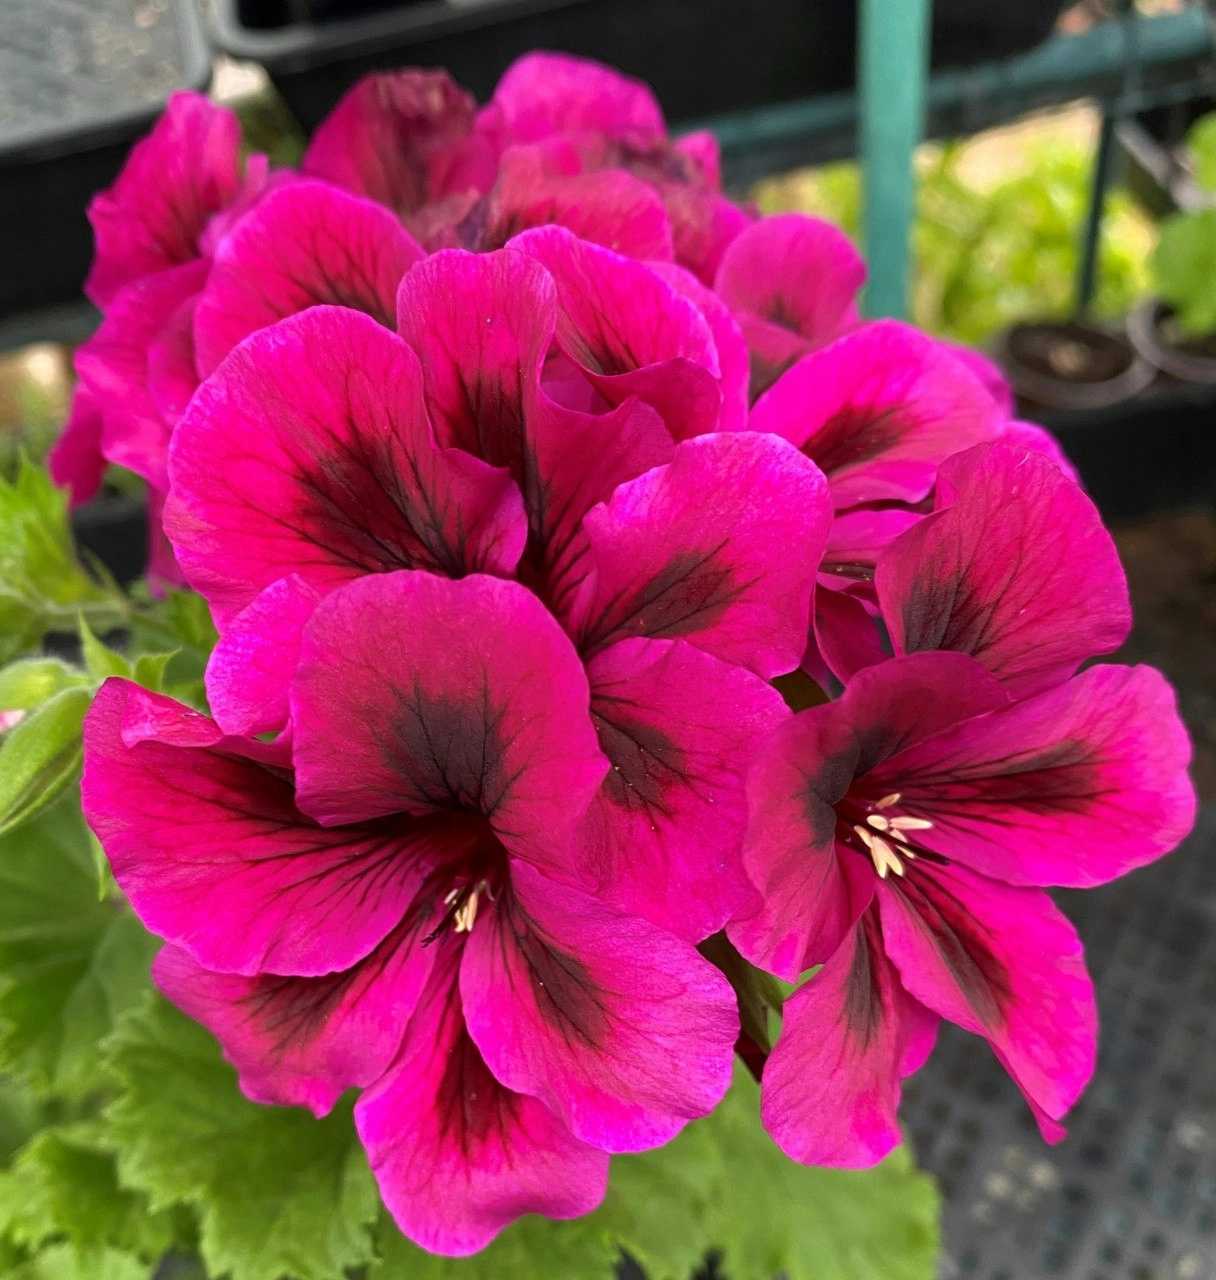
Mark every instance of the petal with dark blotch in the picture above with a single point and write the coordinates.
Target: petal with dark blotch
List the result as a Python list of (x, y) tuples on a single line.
[(542, 94), (205, 839), (481, 325), (1014, 568), (113, 364), (457, 1154), (728, 341), (630, 332), (831, 1085), (418, 694), (309, 451), (792, 282), (621, 1029), (175, 179), (811, 892), (404, 139), (574, 461), (1002, 962), (879, 410), (250, 668), (664, 834), (307, 244), (719, 547), (1074, 787), (305, 1041)]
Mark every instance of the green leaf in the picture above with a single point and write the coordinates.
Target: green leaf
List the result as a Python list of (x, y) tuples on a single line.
[(1201, 144), (190, 619), (150, 669), (277, 1191), (771, 1215), (70, 966), (64, 1184), (720, 1186), (39, 757), (40, 576), (21, 1116), (63, 1262), (100, 660), (1184, 264), (28, 684)]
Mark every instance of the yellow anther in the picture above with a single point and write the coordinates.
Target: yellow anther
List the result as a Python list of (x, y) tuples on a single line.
[(887, 801), (878, 822), (883, 856), (466, 914), (911, 824)]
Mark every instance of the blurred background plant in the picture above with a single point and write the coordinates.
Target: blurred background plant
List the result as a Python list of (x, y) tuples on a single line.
[(1183, 263), (998, 231)]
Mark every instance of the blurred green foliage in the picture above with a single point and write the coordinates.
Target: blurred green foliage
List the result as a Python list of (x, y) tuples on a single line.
[(994, 249), (1184, 262)]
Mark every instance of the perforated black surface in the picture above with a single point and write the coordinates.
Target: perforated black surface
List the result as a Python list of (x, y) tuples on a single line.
[(1131, 1193)]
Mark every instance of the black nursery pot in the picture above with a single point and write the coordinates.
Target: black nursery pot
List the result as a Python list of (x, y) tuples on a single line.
[(1155, 336), (114, 530), (1071, 364)]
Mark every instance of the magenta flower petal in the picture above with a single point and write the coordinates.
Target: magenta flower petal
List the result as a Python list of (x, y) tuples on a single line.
[(988, 372), (575, 461), (113, 363), (811, 894), (458, 1155), (879, 410), (1002, 962), (481, 325), (728, 341), (630, 332), (1032, 436), (172, 368), (75, 460), (415, 693), (542, 94), (404, 139), (303, 1041), (846, 638), (719, 547), (665, 831), (984, 576), (792, 282), (206, 841), (250, 668), (1074, 787), (619, 1028), (831, 1084), (309, 451), (704, 225), (305, 244), (609, 208), (186, 170)]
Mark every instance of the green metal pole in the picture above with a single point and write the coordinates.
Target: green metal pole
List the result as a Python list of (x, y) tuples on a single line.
[(892, 66)]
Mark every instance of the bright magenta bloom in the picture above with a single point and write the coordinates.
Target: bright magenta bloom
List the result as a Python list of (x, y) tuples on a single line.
[(898, 835), (428, 926), (683, 572)]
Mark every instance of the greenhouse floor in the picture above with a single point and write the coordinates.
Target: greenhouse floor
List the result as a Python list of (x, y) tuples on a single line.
[(1131, 1192)]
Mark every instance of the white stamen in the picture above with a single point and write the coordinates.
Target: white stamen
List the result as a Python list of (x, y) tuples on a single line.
[(887, 801), (911, 824), (877, 821), (884, 858), (450, 897), (466, 914)]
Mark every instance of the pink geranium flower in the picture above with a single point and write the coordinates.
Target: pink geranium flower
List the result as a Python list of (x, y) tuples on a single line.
[(399, 908), (898, 837), (517, 427)]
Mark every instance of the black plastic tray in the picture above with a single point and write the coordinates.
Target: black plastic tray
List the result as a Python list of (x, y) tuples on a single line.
[(1131, 1192), (702, 58), (1154, 452), (80, 80)]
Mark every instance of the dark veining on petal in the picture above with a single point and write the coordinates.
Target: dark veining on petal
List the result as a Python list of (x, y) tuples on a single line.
[(856, 433)]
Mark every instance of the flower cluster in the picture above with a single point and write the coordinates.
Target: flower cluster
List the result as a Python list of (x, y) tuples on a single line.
[(520, 469)]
